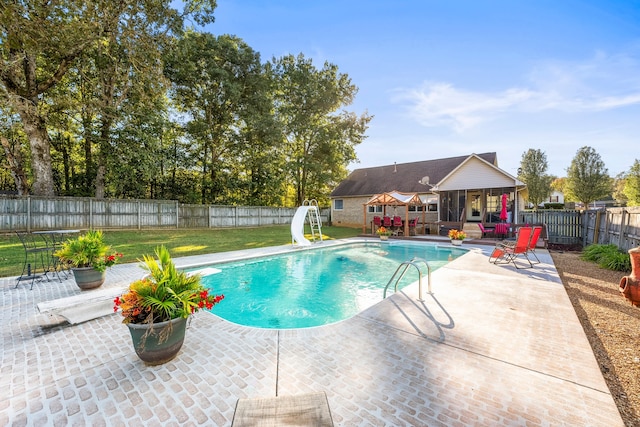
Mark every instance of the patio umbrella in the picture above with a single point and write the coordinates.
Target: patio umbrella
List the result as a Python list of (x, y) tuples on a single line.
[(503, 211)]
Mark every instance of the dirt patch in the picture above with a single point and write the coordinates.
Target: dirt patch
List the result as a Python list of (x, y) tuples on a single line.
[(611, 324)]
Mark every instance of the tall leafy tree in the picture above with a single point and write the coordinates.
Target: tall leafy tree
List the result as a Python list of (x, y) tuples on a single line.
[(218, 83), (587, 177), (632, 185), (40, 41), (533, 172), (619, 183), (319, 137)]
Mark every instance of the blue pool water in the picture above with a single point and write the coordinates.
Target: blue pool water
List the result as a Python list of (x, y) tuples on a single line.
[(318, 286)]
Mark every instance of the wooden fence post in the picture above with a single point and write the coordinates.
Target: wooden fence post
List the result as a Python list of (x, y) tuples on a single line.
[(28, 214)]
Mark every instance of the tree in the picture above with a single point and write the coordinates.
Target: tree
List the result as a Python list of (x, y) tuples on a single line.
[(533, 168), (319, 139), (618, 189), (218, 82), (587, 177), (40, 41), (11, 139), (632, 185)]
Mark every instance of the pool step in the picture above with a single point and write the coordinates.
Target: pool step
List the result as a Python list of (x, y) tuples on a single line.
[(472, 230)]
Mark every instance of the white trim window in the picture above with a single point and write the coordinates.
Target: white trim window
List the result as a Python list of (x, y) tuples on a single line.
[(374, 209), (338, 204)]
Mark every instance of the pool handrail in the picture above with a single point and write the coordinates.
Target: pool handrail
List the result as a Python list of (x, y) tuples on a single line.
[(414, 261)]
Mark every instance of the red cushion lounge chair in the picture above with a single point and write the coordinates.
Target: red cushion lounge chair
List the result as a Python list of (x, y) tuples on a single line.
[(377, 221), (507, 251), (386, 221)]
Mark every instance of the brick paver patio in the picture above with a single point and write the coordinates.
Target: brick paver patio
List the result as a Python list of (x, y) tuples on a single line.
[(491, 346)]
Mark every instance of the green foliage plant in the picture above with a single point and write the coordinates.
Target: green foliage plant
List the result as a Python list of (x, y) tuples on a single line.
[(595, 252), (607, 256), (632, 185), (533, 168), (88, 250), (554, 205), (617, 261), (587, 177), (166, 293)]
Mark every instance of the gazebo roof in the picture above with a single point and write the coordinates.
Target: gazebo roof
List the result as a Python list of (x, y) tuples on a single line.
[(395, 198)]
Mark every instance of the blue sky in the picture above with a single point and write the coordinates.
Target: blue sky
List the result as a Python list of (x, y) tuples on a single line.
[(448, 78)]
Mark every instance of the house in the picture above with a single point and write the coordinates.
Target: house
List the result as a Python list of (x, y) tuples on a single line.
[(556, 197), (455, 191)]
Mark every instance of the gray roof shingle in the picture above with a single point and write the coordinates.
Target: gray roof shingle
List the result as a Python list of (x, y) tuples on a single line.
[(402, 177)]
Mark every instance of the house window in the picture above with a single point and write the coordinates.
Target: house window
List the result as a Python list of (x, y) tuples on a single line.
[(338, 204), (416, 208), (374, 209), (432, 207)]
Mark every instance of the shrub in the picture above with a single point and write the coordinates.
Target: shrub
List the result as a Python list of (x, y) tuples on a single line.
[(607, 256), (618, 261), (554, 205), (595, 252)]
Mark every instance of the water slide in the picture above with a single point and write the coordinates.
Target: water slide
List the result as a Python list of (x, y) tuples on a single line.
[(297, 226)]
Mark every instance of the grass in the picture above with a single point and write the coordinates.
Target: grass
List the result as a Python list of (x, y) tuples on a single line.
[(135, 243)]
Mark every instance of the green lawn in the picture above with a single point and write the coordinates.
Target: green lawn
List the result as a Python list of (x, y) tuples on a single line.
[(134, 244)]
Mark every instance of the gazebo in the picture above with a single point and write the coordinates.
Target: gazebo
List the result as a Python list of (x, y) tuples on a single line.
[(394, 198)]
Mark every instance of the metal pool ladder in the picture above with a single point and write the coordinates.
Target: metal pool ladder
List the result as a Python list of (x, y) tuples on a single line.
[(400, 270)]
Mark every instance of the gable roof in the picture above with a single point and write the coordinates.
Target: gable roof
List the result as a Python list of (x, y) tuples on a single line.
[(395, 198), (405, 177)]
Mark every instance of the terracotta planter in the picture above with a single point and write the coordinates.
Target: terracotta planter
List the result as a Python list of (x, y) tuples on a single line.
[(88, 277), (159, 343), (630, 285)]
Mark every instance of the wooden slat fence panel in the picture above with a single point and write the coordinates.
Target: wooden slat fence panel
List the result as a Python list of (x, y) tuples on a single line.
[(563, 226), (48, 213), (14, 214), (619, 226), (193, 216)]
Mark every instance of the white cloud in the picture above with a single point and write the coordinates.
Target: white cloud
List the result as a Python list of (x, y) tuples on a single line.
[(602, 83)]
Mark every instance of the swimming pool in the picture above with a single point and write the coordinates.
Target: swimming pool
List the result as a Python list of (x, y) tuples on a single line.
[(317, 286)]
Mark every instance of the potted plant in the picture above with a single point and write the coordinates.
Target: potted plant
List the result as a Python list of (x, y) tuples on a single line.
[(384, 233), (88, 256), (156, 308), (457, 236)]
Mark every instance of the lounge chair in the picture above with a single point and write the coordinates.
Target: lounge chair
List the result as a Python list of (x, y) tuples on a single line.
[(533, 242), (508, 250)]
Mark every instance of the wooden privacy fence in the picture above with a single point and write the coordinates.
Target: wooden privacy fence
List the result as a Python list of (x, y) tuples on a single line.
[(562, 226), (59, 213), (616, 226)]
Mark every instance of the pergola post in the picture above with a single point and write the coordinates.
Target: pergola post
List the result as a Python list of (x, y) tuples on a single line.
[(364, 218)]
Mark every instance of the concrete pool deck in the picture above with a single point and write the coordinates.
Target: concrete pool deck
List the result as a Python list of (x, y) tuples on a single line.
[(491, 346)]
